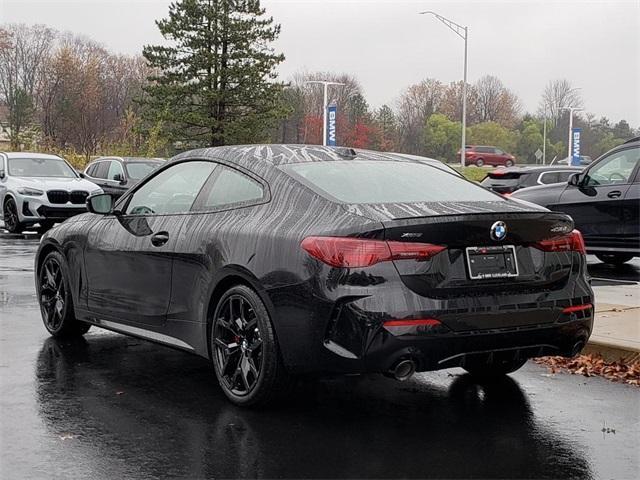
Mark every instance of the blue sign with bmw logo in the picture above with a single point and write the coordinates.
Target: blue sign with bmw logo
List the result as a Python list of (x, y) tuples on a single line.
[(498, 230)]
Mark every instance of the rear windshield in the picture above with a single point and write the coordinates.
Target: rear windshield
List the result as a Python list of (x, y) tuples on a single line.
[(40, 167), (138, 170), (376, 181)]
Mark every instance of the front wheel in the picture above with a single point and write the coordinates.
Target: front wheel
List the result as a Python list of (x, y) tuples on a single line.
[(614, 258), (493, 366), (509, 163), (245, 350), (56, 303), (11, 220)]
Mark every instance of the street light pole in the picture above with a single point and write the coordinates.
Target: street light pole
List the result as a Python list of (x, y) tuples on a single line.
[(571, 110), (462, 32), (325, 84), (544, 137)]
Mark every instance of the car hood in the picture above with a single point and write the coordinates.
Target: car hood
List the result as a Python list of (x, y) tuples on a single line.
[(57, 183), (392, 211)]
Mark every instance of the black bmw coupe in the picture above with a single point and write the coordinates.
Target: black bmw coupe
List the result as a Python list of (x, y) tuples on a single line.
[(276, 261)]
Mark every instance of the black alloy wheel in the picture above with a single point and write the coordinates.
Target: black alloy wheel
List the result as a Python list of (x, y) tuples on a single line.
[(56, 304), (244, 349), (11, 220)]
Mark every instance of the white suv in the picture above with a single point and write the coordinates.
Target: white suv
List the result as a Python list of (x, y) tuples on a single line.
[(39, 188)]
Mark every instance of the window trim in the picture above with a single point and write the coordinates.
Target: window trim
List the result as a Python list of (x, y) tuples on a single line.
[(204, 191), (123, 202)]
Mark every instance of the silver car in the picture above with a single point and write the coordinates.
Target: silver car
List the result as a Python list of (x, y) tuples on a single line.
[(39, 188)]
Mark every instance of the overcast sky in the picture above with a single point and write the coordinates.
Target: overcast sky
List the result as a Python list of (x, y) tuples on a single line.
[(388, 46)]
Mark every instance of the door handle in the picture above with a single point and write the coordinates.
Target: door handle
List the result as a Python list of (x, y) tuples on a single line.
[(614, 194), (159, 239)]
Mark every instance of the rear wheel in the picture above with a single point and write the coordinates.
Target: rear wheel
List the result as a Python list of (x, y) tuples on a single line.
[(494, 365), (56, 303), (245, 350), (479, 162), (11, 219), (614, 258)]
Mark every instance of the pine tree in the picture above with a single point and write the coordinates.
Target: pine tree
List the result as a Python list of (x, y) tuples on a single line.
[(215, 82)]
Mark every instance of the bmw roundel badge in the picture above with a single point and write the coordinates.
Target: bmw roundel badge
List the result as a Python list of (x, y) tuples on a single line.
[(498, 230)]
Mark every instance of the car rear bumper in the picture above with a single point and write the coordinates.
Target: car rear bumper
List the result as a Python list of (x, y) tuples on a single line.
[(340, 327)]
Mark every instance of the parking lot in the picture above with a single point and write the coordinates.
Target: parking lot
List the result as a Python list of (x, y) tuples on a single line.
[(110, 406)]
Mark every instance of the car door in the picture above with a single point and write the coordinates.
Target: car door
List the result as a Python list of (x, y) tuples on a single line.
[(596, 204), (631, 214), (218, 232), (129, 255), (116, 179), (97, 173)]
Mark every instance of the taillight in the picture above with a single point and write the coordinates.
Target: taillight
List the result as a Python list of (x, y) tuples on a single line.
[(571, 242), (346, 252)]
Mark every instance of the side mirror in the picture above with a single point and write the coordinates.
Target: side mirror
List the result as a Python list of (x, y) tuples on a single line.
[(575, 180), (1, 174), (118, 177), (81, 174), (102, 204)]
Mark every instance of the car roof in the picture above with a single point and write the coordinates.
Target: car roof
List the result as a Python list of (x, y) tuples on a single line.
[(43, 156), (128, 159), (249, 156)]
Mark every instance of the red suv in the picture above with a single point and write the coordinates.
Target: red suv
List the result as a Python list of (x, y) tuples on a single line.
[(481, 155)]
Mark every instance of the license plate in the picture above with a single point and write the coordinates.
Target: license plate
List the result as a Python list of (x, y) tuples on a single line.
[(492, 262)]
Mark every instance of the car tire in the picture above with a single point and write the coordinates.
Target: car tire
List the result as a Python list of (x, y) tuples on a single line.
[(245, 351), (11, 219), (479, 162), (509, 163), (55, 299), (493, 366), (614, 258)]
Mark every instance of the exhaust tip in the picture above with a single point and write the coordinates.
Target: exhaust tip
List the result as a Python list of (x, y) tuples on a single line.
[(404, 369)]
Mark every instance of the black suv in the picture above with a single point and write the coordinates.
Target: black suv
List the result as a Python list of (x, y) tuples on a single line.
[(117, 174), (604, 202), (508, 180)]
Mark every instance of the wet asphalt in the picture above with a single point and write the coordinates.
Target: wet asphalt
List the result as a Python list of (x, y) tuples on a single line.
[(110, 406)]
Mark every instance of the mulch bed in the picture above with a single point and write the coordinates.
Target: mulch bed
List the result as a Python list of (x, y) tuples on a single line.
[(594, 365)]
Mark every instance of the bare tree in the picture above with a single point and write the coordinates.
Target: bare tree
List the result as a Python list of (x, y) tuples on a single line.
[(556, 94), (494, 102), (451, 104), (416, 104), (23, 53)]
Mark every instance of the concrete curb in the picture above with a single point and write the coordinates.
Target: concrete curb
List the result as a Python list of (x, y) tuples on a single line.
[(611, 351)]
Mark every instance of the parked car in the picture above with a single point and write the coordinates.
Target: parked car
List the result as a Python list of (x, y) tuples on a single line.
[(40, 189), (508, 180), (117, 174), (604, 202), (279, 260), (480, 156), (584, 160)]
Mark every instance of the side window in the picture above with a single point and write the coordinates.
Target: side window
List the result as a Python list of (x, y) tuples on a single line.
[(549, 177), (229, 187), (498, 151), (115, 169), (90, 170), (101, 170), (614, 169), (171, 191)]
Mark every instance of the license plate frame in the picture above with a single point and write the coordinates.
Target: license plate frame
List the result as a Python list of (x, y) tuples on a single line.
[(504, 250)]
